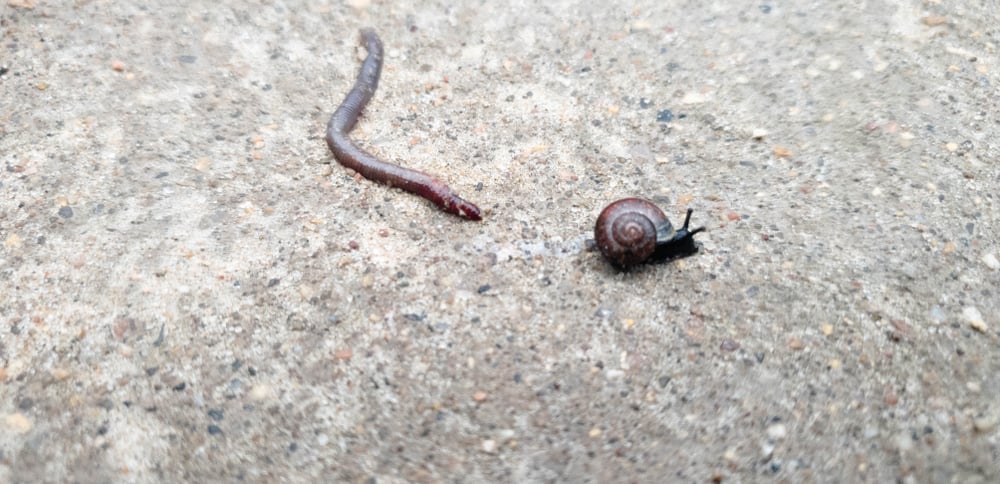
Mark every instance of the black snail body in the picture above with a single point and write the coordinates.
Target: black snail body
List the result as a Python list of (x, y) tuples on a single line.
[(632, 231)]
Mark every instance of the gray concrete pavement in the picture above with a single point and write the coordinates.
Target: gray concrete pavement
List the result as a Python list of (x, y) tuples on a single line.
[(192, 290)]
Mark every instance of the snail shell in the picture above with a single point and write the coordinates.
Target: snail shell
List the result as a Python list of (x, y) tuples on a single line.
[(632, 231), (627, 231)]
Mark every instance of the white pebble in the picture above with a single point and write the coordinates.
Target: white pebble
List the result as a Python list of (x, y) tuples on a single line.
[(991, 261), (777, 431), (974, 318), (489, 446), (986, 423)]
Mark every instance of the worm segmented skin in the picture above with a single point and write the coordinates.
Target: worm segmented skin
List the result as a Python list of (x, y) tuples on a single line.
[(372, 168)]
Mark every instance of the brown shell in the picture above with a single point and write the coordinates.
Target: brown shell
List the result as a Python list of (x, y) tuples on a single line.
[(626, 231)]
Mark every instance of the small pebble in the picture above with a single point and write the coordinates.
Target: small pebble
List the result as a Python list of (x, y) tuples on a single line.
[(13, 240), (974, 318), (766, 449), (17, 423), (489, 446), (782, 152), (991, 261), (938, 314), (260, 392), (59, 374), (986, 423), (640, 25), (479, 396), (777, 431), (214, 430), (934, 20)]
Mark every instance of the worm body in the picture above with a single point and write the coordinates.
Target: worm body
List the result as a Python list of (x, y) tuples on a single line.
[(357, 159)]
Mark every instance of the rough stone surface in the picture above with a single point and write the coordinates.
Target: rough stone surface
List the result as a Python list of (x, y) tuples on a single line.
[(190, 291)]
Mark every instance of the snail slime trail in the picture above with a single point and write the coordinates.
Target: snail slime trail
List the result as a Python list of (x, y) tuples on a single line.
[(357, 159), (632, 231)]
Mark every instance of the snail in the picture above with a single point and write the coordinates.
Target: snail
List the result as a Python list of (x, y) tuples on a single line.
[(632, 231)]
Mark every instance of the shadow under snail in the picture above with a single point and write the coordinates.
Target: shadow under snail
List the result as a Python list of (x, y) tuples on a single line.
[(632, 231)]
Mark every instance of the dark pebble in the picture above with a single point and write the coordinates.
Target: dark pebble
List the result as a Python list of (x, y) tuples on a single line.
[(214, 429), (663, 381), (729, 345), (665, 116), (66, 212), (180, 387), (765, 8), (273, 282), (483, 288), (215, 414)]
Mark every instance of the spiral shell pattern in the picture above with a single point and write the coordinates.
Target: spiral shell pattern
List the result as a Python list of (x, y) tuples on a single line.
[(626, 231)]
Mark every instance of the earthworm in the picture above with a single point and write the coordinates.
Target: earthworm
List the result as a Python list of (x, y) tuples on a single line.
[(372, 168)]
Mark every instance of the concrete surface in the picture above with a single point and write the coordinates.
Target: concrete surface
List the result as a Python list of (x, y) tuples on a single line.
[(192, 292)]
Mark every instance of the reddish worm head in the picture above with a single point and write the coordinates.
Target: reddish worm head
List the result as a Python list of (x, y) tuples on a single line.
[(359, 160)]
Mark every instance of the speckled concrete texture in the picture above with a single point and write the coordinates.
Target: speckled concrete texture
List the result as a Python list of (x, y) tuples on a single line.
[(192, 290)]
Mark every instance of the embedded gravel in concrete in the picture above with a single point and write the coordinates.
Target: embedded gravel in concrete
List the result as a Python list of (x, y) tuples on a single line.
[(192, 290)]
